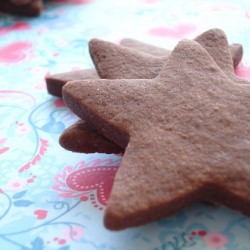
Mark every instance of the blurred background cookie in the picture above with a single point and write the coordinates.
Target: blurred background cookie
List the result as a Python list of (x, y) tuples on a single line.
[(30, 8)]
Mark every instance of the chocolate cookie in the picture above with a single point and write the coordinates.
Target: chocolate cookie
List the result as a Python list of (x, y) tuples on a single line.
[(116, 62), (186, 134), (55, 82), (79, 137), (30, 8), (214, 41)]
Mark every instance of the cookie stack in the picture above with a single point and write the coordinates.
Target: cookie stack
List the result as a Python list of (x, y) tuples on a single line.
[(181, 118)]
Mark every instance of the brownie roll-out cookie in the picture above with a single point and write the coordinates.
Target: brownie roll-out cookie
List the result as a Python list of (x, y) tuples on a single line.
[(30, 8)]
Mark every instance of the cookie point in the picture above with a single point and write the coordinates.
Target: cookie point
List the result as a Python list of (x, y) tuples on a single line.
[(111, 222), (215, 30), (95, 42), (187, 44)]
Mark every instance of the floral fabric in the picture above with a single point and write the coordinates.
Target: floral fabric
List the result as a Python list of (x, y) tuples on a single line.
[(40, 208)]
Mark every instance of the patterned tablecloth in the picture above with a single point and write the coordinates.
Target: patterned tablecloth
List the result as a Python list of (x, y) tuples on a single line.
[(38, 210)]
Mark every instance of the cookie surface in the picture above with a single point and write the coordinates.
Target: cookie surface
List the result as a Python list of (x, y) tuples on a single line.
[(55, 82), (214, 40), (32, 9), (114, 62), (79, 137), (186, 134)]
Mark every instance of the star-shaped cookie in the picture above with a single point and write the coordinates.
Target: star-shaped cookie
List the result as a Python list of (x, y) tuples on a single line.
[(55, 82), (186, 134), (116, 62), (80, 136)]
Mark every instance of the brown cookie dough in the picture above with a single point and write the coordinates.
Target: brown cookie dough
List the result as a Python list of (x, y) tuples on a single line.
[(114, 62), (73, 137), (186, 134), (213, 40), (55, 82)]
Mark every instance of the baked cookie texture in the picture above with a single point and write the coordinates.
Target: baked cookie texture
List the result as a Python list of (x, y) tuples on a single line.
[(128, 65), (81, 137), (186, 134), (55, 82), (115, 62)]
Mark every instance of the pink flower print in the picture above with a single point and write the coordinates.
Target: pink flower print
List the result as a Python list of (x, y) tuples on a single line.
[(3, 149), (247, 14), (59, 103), (224, 7), (215, 240), (14, 52), (243, 71), (179, 31), (22, 128), (73, 233), (18, 26), (16, 185), (91, 180), (62, 187), (62, 241), (96, 179), (41, 214)]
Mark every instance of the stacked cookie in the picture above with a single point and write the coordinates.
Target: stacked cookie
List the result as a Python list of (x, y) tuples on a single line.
[(181, 118), (22, 7)]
